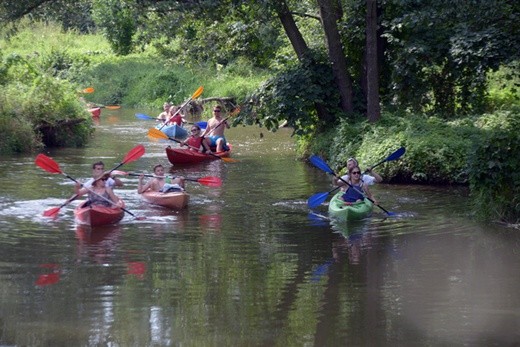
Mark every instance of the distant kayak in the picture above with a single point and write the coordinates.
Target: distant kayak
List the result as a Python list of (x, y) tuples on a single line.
[(174, 200), (96, 111), (188, 156), (343, 212), (174, 131), (96, 215)]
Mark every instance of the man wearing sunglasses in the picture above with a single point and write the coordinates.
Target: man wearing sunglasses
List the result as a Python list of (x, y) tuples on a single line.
[(215, 130)]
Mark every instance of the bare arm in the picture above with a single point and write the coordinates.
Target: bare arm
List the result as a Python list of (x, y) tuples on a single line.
[(141, 188)]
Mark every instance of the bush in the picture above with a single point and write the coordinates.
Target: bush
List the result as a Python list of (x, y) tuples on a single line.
[(494, 167)]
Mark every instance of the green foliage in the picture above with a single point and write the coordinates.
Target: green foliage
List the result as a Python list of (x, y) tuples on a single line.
[(37, 109), (439, 55), (436, 151), (290, 97), (494, 167), (117, 19)]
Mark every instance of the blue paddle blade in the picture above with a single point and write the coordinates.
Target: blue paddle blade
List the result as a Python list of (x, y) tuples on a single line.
[(143, 116), (202, 125), (320, 164), (317, 199), (397, 154)]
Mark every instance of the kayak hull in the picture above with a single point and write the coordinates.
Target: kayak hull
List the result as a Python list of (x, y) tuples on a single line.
[(95, 215), (174, 131), (173, 200), (342, 212), (188, 156)]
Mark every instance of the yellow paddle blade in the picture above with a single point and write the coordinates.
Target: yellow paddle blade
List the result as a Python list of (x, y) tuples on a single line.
[(157, 134), (229, 160), (113, 107), (235, 111), (198, 92)]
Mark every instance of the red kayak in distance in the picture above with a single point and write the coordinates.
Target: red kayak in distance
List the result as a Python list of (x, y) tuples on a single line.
[(188, 156), (96, 111), (95, 215)]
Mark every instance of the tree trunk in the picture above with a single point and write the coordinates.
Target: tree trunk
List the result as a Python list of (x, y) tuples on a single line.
[(329, 11), (299, 45), (372, 75)]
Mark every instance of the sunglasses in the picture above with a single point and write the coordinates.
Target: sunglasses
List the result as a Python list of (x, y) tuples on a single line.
[(218, 111), (194, 130), (356, 172)]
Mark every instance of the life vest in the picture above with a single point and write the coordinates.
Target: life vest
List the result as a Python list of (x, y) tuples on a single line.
[(353, 193)]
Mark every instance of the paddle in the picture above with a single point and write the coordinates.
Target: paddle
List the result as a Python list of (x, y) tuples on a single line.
[(195, 95), (88, 90), (321, 164), (143, 116), (134, 154), (210, 181), (157, 134), (110, 107), (49, 165), (318, 198)]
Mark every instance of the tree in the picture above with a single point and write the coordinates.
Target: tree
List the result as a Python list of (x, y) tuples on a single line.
[(372, 71), (330, 11)]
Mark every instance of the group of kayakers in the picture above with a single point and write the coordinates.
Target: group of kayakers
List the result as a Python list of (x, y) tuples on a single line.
[(204, 140), (99, 188)]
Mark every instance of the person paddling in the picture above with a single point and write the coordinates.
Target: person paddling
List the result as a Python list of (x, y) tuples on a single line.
[(196, 142), (215, 130), (158, 184), (98, 169), (98, 191), (357, 189), (368, 179), (163, 116)]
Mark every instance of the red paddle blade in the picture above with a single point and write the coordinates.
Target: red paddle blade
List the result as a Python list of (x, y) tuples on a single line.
[(47, 164), (134, 154), (52, 212), (210, 181)]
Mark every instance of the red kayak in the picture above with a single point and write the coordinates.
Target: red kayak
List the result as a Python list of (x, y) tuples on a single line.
[(188, 156), (96, 111), (173, 200), (95, 215)]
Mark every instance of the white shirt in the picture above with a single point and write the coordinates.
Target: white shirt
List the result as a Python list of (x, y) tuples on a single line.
[(367, 179), (110, 183)]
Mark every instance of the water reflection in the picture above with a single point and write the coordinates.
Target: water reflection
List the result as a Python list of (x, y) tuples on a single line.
[(245, 263)]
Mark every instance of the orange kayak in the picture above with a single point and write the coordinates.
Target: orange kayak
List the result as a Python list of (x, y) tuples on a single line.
[(173, 200), (188, 156), (95, 215)]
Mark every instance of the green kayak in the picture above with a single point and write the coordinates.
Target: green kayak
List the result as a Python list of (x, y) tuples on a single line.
[(340, 211)]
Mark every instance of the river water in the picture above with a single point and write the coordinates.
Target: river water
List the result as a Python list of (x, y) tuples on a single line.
[(246, 264)]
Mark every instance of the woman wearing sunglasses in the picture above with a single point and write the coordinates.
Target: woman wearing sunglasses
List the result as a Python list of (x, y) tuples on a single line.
[(196, 142), (357, 190)]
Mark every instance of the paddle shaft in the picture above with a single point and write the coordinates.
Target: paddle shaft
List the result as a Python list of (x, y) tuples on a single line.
[(154, 176), (194, 95)]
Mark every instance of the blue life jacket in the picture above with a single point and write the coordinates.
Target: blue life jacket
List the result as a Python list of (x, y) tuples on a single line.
[(352, 195)]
